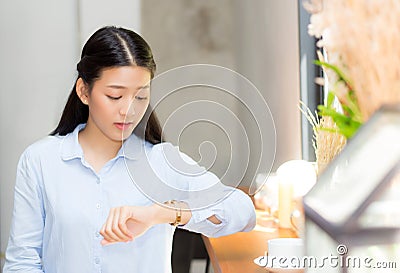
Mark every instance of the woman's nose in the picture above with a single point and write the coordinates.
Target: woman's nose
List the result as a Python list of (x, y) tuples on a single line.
[(127, 109)]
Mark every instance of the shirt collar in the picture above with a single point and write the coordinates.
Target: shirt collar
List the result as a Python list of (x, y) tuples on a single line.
[(70, 147), (132, 147)]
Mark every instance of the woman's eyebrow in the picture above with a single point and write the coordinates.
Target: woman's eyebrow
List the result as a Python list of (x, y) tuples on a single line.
[(147, 86), (116, 86)]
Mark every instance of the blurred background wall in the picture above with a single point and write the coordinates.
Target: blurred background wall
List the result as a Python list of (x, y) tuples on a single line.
[(259, 39), (41, 42)]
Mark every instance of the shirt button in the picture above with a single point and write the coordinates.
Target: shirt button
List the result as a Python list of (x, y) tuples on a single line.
[(98, 206), (98, 234), (98, 181), (97, 260)]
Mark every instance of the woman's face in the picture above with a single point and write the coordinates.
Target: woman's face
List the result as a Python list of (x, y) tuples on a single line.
[(118, 101)]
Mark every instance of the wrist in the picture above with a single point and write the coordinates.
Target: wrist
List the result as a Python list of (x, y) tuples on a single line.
[(162, 214), (175, 205), (177, 213)]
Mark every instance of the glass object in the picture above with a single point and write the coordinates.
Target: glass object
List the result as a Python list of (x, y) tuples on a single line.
[(353, 205), (266, 199), (296, 178)]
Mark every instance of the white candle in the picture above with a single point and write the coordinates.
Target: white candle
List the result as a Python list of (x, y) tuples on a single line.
[(296, 177), (285, 202)]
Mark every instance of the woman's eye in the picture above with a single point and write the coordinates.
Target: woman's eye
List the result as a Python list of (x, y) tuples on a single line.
[(114, 98), (140, 98)]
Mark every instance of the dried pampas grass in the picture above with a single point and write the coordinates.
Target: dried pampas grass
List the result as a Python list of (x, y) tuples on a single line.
[(326, 141), (362, 39)]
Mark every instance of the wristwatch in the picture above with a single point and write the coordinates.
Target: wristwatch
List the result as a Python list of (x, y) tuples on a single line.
[(178, 210)]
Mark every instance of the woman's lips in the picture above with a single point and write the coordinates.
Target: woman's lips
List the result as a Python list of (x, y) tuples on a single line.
[(123, 125)]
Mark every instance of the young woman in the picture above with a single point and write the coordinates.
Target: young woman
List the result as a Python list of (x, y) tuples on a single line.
[(75, 196)]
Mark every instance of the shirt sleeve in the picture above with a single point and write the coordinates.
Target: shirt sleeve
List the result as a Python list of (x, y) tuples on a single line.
[(24, 248), (231, 206), (236, 213)]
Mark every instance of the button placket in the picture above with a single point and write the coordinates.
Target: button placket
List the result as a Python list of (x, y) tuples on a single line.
[(97, 236), (98, 182)]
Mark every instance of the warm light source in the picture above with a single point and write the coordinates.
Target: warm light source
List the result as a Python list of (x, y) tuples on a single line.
[(296, 177)]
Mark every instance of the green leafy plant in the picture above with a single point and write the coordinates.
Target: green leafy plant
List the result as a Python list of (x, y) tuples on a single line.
[(348, 119)]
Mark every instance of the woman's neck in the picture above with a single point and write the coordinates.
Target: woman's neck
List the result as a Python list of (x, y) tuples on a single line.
[(97, 148)]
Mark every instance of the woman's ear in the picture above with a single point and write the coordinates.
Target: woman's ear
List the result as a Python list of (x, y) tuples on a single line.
[(82, 91)]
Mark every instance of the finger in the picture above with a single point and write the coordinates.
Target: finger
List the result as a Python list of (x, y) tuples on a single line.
[(107, 231), (119, 224), (106, 243), (122, 224), (104, 234), (104, 227)]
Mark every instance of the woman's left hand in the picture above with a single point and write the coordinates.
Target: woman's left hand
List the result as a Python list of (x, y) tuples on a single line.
[(126, 223)]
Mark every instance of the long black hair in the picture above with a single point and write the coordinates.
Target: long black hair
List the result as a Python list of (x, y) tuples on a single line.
[(110, 47)]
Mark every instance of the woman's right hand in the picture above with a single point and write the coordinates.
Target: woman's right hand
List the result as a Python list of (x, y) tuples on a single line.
[(126, 223)]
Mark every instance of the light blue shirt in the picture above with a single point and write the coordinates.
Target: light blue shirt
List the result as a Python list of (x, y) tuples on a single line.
[(61, 203)]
